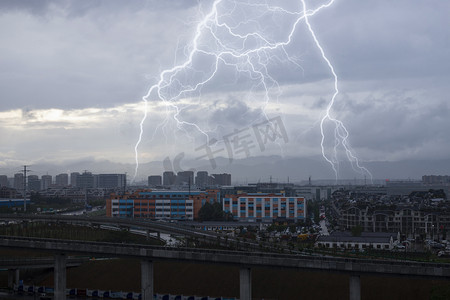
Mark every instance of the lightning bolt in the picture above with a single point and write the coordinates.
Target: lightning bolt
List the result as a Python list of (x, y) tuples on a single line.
[(220, 39), (340, 131)]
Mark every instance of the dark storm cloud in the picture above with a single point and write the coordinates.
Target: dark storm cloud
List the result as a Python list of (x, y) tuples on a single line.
[(398, 126), (385, 39), (391, 59)]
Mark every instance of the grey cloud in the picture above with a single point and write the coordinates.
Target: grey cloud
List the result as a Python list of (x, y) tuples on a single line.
[(32, 6), (236, 112), (397, 125), (384, 39), (391, 59), (320, 103), (75, 8)]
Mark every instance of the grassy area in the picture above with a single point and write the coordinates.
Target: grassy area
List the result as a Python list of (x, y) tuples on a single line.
[(97, 213), (73, 232)]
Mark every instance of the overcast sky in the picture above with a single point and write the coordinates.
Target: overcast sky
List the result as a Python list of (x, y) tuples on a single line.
[(73, 74)]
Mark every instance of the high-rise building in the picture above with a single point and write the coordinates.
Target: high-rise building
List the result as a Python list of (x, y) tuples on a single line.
[(46, 181), (222, 179), (154, 180), (96, 177), (73, 178), (202, 179), (62, 179), (185, 178), (18, 181), (3, 180), (109, 181), (169, 178), (34, 183), (85, 180)]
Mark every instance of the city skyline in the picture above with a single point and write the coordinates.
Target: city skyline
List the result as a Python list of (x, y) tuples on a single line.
[(281, 171), (72, 94)]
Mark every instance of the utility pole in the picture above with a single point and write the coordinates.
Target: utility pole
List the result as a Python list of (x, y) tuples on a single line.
[(25, 188), (125, 184)]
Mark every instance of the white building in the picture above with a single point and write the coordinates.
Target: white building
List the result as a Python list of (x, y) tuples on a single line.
[(367, 240), (264, 207)]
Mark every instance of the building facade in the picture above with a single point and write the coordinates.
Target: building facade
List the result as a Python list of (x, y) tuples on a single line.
[(202, 179), (3, 180), (62, 179), (19, 181), (436, 179), (408, 221), (85, 180), (46, 181), (265, 207), (185, 178), (73, 178), (169, 178), (367, 240), (222, 179), (34, 183), (9, 193), (110, 181), (153, 204), (154, 180)]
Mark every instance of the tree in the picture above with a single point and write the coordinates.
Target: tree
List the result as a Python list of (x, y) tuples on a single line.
[(292, 229), (206, 212), (211, 212), (356, 231)]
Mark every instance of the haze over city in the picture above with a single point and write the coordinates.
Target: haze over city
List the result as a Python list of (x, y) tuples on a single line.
[(74, 73), (226, 149)]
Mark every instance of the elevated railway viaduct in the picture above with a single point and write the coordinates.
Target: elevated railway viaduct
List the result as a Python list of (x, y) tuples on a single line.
[(244, 260)]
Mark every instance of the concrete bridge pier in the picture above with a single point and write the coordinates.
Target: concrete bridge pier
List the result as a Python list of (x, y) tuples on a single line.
[(60, 277), (355, 287), (13, 277), (245, 283), (147, 279)]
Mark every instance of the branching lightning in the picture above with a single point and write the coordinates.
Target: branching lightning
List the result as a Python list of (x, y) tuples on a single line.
[(341, 133), (226, 38)]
